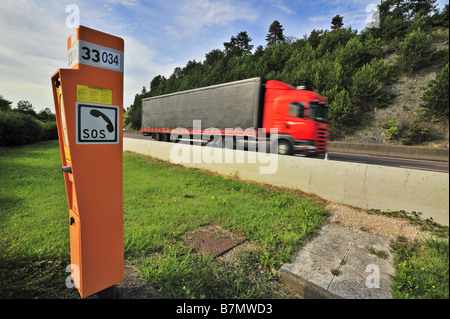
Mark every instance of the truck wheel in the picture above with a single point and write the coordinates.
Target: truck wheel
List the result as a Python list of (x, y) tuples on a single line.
[(166, 138), (284, 147), (174, 138)]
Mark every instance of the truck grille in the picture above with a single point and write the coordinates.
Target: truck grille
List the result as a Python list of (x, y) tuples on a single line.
[(322, 138), (322, 133)]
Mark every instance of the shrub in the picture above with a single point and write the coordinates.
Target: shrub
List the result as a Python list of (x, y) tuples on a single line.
[(352, 56), (418, 133), (435, 98), (50, 131), (409, 133), (415, 51), (341, 111), (366, 86), (392, 131), (18, 129)]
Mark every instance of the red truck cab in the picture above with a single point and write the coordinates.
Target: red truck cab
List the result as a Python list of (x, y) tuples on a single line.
[(300, 117)]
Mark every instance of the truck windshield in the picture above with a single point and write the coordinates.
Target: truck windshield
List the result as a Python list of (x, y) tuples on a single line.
[(318, 111)]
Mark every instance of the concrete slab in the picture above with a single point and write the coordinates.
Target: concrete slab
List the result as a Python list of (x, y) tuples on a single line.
[(363, 260)]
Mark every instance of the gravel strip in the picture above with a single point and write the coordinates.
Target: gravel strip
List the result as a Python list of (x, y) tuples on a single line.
[(359, 220)]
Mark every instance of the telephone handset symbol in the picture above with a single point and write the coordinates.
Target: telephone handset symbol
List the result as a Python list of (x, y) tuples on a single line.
[(109, 126)]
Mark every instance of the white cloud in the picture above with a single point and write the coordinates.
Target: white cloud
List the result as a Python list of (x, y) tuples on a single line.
[(194, 17), (353, 11), (195, 27), (33, 48), (124, 2), (319, 19), (142, 64), (279, 4)]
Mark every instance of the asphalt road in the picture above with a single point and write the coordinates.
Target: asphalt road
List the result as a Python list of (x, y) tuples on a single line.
[(365, 159), (391, 161)]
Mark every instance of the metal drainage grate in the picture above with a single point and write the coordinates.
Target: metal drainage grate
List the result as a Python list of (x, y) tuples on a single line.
[(213, 240)]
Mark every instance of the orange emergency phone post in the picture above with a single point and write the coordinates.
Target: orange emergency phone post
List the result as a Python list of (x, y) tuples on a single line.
[(88, 100)]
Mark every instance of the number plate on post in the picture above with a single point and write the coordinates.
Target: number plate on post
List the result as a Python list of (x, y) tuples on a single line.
[(95, 55)]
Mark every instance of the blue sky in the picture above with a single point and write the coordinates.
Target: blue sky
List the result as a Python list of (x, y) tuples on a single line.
[(159, 34)]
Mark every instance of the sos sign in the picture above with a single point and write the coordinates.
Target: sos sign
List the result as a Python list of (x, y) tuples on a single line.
[(96, 123)]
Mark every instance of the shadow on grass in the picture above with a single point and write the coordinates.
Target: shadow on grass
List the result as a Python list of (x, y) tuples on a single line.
[(30, 278)]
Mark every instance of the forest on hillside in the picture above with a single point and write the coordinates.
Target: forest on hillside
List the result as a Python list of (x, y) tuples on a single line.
[(350, 69)]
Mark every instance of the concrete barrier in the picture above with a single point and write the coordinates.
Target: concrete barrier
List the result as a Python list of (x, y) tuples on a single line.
[(360, 185), (414, 152)]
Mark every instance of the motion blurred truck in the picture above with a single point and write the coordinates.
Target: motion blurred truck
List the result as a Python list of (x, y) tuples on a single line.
[(300, 116)]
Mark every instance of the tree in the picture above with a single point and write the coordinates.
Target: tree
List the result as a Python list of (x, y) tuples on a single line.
[(134, 113), (425, 7), (366, 88), (392, 18), (213, 57), (394, 8), (259, 51), (395, 17), (192, 76), (340, 112), (216, 66), (441, 18), (46, 115), (275, 58), (315, 37), (298, 70), (26, 107), (5, 105), (275, 35), (436, 100), (155, 85), (336, 22), (352, 56), (335, 39), (415, 51), (239, 45)]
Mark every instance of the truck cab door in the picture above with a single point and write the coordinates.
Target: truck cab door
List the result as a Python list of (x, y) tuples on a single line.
[(295, 124)]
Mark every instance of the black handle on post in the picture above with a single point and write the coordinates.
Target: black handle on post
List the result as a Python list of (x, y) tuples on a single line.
[(67, 169)]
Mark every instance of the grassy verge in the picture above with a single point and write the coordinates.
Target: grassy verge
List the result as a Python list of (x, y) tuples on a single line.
[(421, 266), (161, 203), (421, 269), (34, 238)]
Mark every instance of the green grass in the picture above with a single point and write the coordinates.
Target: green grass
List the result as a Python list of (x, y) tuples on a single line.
[(161, 203), (421, 269), (34, 240)]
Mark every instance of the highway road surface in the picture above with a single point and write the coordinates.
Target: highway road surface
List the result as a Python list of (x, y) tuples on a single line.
[(391, 161), (427, 165)]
